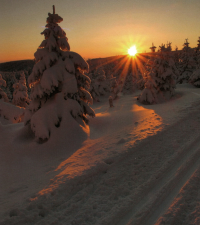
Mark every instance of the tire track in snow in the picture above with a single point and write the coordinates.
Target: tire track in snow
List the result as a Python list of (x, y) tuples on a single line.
[(157, 200)]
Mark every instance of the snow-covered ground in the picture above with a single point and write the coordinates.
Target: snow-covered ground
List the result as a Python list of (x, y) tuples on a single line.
[(134, 164)]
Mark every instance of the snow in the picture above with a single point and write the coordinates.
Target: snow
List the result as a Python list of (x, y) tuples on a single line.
[(133, 164), (10, 112), (76, 59)]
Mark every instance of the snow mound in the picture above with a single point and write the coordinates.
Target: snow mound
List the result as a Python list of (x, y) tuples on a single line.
[(11, 112)]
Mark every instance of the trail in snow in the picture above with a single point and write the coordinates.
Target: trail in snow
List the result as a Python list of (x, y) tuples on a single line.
[(185, 207), (181, 167)]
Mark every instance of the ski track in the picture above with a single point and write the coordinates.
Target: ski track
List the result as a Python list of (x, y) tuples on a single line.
[(159, 203), (158, 200)]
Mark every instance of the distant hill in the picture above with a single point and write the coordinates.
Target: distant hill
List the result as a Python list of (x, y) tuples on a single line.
[(98, 62), (28, 64), (17, 65), (113, 61)]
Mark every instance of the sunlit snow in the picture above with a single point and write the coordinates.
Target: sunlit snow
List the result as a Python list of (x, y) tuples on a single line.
[(94, 173)]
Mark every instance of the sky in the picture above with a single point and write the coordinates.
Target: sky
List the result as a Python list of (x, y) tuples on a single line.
[(98, 28)]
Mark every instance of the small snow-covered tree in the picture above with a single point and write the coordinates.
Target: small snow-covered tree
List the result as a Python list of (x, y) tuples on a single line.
[(185, 66), (59, 87), (172, 64), (160, 82), (149, 94), (186, 45), (129, 84), (140, 80), (8, 93), (153, 48), (100, 85), (3, 95), (115, 89), (20, 96), (103, 83), (110, 99), (195, 78), (10, 79), (162, 48), (94, 89)]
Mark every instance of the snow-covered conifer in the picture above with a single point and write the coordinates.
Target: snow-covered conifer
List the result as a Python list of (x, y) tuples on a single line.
[(100, 86), (160, 82), (140, 80), (171, 60), (185, 66), (186, 45), (8, 93), (110, 99), (153, 48), (115, 89), (59, 87), (169, 47), (3, 95), (102, 82), (129, 84), (20, 96), (198, 45), (162, 48), (94, 90), (187, 62), (195, 78)]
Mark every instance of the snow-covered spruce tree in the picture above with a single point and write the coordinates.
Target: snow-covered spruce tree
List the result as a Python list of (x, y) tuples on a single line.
[(160, 82), (187, 63), (140, 80), (173, 65), (20, 96), (195, 78), (8, 94), (10, 79), (94, 89), (3, 95), (100, 86), (129, 85), (184, 66), (142, 74), (115, 89), (58, 83), (102, 82)]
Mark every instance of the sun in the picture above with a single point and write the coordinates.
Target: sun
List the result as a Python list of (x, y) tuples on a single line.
[(132, 51)]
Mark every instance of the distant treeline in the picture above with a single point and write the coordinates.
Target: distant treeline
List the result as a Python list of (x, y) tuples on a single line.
[(27, 65), (14, 66)]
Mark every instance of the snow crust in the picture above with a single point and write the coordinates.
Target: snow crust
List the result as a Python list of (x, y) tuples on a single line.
[(96, 174)]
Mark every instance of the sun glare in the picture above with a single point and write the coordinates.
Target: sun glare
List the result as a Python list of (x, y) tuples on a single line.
[(132, 51)]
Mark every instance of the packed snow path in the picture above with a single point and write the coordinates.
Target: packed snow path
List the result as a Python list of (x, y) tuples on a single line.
[(129, 171), (175, 172)]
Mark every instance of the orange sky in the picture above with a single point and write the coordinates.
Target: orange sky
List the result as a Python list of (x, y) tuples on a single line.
[(98, 28)]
